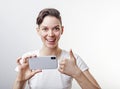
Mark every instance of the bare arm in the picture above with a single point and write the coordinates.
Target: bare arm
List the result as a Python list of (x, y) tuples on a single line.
[(84, 79), (19, 84)]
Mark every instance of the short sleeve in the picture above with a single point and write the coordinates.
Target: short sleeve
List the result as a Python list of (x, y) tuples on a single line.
[(81, 64)]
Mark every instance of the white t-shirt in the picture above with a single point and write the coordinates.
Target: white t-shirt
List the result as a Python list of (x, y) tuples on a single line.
[(52, 78)]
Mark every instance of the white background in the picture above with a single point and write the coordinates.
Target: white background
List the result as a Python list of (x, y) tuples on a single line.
[(92, 30)]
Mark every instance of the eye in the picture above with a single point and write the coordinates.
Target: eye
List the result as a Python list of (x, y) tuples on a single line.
[(56, 28), (44, 29)]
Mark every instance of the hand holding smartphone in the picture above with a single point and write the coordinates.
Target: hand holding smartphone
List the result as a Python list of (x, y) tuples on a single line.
[(45, 62)]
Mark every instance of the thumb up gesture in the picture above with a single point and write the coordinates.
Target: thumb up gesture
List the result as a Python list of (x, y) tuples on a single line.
[(69, 66)]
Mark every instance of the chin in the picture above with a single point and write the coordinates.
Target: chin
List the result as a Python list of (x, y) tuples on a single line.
[(51, 46)]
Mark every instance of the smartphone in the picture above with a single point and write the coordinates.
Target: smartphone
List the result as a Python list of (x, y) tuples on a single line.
[(45, 62)]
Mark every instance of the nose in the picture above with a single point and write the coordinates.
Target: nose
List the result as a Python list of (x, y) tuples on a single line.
[(50, 33)]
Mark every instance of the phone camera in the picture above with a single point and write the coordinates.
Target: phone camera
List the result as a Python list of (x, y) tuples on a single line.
[(53, 58)]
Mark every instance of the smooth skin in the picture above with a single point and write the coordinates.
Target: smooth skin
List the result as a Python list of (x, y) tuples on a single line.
[(50, 32)]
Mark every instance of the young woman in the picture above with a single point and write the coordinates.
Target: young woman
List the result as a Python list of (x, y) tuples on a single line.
[(70, 66)]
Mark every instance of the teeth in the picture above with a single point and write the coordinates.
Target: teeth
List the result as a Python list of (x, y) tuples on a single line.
[(50, 40)]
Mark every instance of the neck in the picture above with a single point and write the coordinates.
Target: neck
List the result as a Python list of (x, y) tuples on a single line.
[(50, 51)]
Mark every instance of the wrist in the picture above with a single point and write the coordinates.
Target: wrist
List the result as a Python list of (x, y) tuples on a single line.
[(20, 79), (19, 84), (77, 73)]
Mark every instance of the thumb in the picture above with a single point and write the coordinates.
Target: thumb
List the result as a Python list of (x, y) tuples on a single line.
[(71, 54), (35, 72)]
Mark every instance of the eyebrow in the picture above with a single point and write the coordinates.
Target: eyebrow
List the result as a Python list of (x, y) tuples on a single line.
[(52, 27), (57, 26)]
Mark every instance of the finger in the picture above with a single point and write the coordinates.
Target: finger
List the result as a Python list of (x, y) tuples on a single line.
[(62, 66), (61, 70), (71, 54), (36, 71), (62, 62), (25, 59), (18, 60), (32, 56)]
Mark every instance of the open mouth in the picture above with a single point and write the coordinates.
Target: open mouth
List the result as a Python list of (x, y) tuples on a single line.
[(51, 41)]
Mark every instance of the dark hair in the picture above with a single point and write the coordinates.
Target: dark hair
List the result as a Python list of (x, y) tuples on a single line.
[(48, 12)]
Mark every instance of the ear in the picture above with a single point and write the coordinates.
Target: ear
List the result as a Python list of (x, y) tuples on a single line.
[(37, 30), (62, 30)]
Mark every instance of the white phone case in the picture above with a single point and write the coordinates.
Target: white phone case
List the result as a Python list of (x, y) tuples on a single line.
[(46, 62)]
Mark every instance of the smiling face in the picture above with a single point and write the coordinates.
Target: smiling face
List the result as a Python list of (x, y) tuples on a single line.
[(50, 31)]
